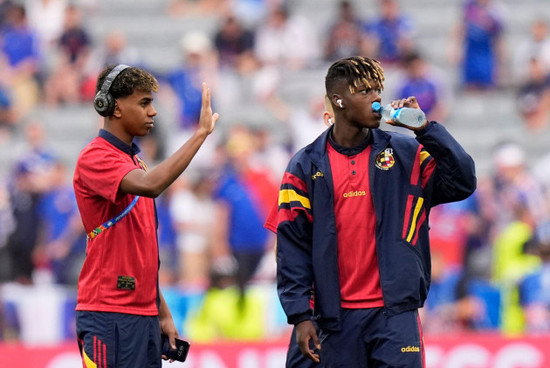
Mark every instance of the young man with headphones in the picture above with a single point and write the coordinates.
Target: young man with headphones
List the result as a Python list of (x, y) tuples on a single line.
[(121, 313)]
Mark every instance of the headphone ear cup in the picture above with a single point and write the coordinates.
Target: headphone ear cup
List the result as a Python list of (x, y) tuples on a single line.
[(104, 104)]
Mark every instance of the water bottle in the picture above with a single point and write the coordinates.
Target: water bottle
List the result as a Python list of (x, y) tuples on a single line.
[(405, 115)]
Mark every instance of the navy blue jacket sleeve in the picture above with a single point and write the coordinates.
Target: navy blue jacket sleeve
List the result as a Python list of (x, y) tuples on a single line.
[(294, 246), (454, 177)]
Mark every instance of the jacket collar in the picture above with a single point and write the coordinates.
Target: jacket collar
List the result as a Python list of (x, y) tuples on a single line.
[(111, 138)]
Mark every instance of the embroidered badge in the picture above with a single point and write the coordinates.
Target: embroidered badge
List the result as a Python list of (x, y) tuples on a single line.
[(385, 159), (318, 174)]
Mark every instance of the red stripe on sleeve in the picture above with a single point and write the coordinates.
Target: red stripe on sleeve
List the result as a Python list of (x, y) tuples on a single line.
[(427, 172), (407, 216), (415, 174), (420, 222), (291, 214), (293, 180)]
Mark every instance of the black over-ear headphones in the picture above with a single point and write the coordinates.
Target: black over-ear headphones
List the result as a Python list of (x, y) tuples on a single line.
[(104, 103)]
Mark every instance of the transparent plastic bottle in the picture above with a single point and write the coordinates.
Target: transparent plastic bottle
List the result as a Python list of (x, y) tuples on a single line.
[(406, 115)]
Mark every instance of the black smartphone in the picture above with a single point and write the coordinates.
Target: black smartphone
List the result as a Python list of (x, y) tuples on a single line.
[(181, 351)]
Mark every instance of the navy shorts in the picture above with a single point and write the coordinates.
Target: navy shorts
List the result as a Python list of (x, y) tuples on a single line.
[(109, 340), (370, 339)]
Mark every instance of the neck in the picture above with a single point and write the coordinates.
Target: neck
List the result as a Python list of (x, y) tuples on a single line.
[(349, 136), (113, 128)]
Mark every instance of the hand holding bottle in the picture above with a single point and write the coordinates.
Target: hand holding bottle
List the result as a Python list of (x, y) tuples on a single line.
[(405, 113)]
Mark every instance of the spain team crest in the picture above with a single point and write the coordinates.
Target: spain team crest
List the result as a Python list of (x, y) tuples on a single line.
[(385, 159)]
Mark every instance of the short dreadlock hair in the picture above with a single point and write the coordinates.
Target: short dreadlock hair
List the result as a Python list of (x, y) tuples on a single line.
[(355, 70), (128, 81)]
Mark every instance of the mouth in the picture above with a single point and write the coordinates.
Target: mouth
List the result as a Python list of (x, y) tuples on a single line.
[(150, 124)]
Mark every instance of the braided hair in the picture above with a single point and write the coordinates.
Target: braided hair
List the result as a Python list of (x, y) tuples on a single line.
[(356, 70)]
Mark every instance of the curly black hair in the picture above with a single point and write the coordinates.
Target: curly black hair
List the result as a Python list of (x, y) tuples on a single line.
[(128, 81)]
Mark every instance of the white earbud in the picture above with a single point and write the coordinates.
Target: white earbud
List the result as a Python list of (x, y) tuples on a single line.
[(330, 121), (339, 102)]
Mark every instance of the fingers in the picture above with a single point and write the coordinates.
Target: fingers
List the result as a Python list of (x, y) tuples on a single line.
[(405, 102), (205, 95)]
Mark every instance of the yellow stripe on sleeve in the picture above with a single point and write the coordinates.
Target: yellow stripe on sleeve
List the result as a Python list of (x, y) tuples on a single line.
[(415, 216), (423, 156), (88, 363), (290, 195)]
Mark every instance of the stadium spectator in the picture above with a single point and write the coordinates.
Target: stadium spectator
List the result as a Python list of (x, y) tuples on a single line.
[(72, 49), (5, 5), (535, 46), (446, 310), (7, 225), (286, 41), (30, 179), (534, 96), (477, 45), (389, 33), (243, 194), (534, 288), (198, 64), (193, 211), (226, 313), (514, 187), (303, 123), (324, 189), (425, 83), (46, 18), (20, 60), (344, 35), (234, 43), (511, 264), (7, 113), (61, 244)]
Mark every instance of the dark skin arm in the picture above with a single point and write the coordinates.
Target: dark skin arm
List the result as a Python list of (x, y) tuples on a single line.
[(152, 183), (306, 332)]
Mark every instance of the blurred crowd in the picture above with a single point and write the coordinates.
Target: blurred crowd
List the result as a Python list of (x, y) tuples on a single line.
[(491, 252)]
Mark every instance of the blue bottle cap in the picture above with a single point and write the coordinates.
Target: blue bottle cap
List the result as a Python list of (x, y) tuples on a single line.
[(376, 107)]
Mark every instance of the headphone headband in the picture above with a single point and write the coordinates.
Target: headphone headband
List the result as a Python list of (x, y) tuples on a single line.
[(106, 86)]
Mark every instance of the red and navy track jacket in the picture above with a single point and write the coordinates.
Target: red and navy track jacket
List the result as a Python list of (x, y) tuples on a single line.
[(404, 184)]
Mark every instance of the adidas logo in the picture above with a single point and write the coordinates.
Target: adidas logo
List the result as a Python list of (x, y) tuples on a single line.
[(410, 349)]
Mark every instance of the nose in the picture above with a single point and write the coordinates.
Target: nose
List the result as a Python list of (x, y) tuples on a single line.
[(152, 110)]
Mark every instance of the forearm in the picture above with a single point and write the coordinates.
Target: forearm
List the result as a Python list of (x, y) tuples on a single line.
[(155, 181), (164, 310), (170, 169)]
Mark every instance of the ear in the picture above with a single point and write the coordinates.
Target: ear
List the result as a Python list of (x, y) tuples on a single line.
[(328, 119), (117, 113), (334, 99)]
